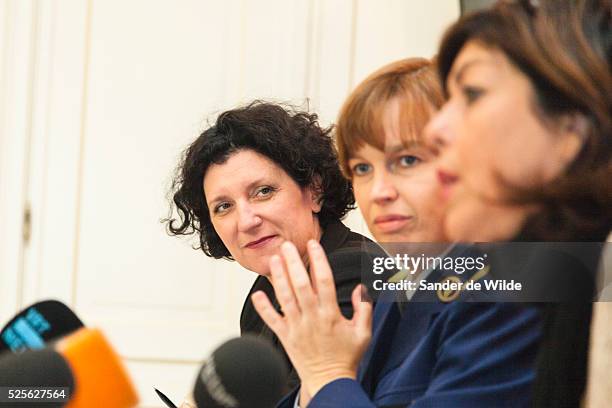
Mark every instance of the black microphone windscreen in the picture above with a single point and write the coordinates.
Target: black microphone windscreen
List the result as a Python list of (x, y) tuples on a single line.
[(44, 367), (35, 326), (35, 368), (245, 372)]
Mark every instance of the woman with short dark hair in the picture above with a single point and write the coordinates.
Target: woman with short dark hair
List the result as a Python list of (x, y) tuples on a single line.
[(293, 140), (263, 174)]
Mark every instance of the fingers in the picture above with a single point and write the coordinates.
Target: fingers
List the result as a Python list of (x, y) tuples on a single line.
[(298, 277), (283, 289), (268, 314), (295, 292), (322, 275), (362, 315)]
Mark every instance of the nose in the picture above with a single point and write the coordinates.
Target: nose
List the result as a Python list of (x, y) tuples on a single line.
[(437, 132), (383, 189), (247, 217)]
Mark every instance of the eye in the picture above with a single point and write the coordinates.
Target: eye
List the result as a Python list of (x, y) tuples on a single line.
[(361, 169), (471, 93), (264, 191), (221, 208), (408, 161)]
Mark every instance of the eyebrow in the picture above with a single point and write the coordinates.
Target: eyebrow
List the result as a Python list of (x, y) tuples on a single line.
[(391, 149), (223, 197), (399, 147)]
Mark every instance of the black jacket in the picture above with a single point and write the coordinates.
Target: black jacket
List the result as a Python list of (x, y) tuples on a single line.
[(344, 249), (561, 366)]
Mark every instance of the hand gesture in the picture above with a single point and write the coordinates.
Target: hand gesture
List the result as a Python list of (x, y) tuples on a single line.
[(322, 344)]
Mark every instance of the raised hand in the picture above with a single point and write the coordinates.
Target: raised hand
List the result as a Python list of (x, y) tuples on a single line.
[(322, 344)]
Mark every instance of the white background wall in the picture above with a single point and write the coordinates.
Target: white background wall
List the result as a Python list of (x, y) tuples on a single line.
[(98, 98)]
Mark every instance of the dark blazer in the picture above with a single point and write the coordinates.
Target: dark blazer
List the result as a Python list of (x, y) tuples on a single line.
[(344, 249), (434, 353), (562, 361)]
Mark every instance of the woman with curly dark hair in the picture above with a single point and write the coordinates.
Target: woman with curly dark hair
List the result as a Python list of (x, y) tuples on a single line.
[(261, 175)]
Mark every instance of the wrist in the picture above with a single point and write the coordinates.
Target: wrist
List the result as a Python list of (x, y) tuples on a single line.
[(316, 382)]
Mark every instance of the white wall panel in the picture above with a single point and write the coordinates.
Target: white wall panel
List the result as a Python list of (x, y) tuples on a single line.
[(388, 30), (16, 58), (274, 38), (331, 49), (55, 164)]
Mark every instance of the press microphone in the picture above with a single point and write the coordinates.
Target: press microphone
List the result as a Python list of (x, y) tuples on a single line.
[(44, 369), (35, 326), (84, 362), (245, 372), (99, 378)]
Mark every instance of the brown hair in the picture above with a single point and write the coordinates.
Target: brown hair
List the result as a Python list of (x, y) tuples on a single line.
[(413, 81), (564, 48)]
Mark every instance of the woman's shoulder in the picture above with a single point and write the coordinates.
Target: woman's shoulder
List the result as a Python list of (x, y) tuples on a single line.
[(338, 237), (348, 252)]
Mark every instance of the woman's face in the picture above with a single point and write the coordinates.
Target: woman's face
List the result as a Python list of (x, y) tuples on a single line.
[(254, 206), (396, 189), (491, 137)]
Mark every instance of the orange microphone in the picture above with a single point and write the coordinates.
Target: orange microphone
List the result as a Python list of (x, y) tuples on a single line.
[(100, 378)]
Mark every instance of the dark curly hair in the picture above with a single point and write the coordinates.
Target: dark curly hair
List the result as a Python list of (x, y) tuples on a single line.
[(292, 139)]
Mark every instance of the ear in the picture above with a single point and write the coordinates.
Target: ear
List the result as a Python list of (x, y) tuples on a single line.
[(315, 191), (574, 130)]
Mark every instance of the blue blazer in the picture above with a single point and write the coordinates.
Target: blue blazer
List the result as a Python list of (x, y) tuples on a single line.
[(434, 353)]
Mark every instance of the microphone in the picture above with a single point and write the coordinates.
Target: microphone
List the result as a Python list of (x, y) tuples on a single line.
[(35, 326), (44, 368), (83, 361), (100, 378), (245, 372)]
